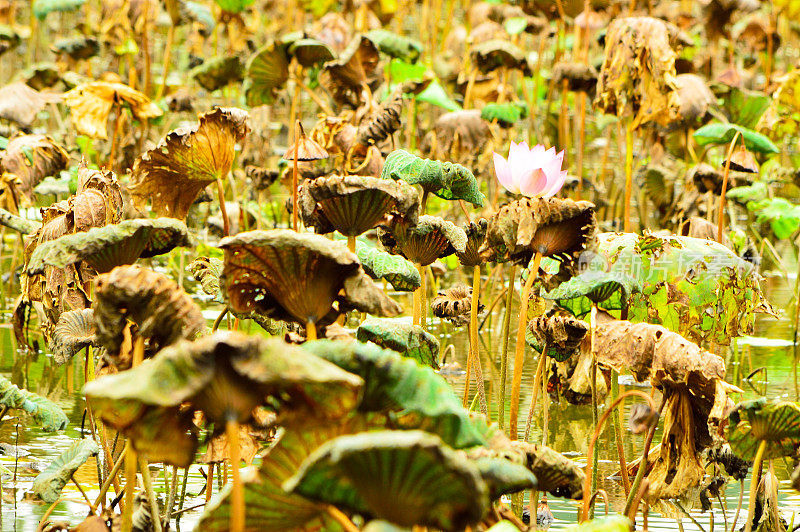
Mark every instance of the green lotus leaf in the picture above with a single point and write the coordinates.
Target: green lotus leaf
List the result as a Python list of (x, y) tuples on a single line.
[(405, 477), (756, 192), (234, 6), (107, 247), (396, 46), (401, 273), (449, 181), (745, 107), (429, 239), (310, 52), (776, 422), (783, 216), (502, 476), (213, 74), (555, 473), (45, 413), (200, 13), (611, 523), (21, 225), (415, 395), (226, 375), (608, 290), (399, 335), (507, 114), (268, 507), (42, 8), (74, 331), (48, 484), (267, 71), (719, 133), (82, 47)]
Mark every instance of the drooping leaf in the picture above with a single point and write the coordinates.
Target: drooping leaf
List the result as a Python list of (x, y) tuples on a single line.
[(776, 422), (450, 181), (608, 290), (401, 273), (409, 340), (234, 6), (32, 158), (187, 160), (267, 71), (415, 394), (107, 247), (555, 473), (74, 331), (396, 46), (719, 133), (21, 103), (502, 476), (42, 8), (48, 484), (90, 104), (429, 239), (493, 54), (454, 304), (218, 72), (357, 66), (310, 52), (561, 334), (745, 107), (45, 413), (507, 114), (405, 477)]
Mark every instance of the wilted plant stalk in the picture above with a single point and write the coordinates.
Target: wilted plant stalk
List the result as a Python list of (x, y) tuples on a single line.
[(721, 209), (501, 409)]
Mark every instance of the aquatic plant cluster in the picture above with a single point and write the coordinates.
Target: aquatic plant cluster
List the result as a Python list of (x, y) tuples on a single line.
[(238, 231)]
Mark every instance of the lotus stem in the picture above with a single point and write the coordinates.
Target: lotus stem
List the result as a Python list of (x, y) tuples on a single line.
[(130, 487), (501, 407), (341, 518), (519, 354), (114, 135), (351, 244), (623, 465), (237, 493), (473, 76), (721, 209), (314, 96), (226, 225), (114, 470), (537, 383), (167, 58), (754, 478), (474, 352), (209, 481), (155, 513), (311, 331), (423, 298), (738, 505), (643, 488), (294, 175), (593, 457), (92, 507), (596, 434), (640, 472), (219, 320), (628, 175), (183, 495)]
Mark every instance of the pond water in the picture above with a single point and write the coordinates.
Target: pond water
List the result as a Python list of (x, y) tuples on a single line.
[(769, 347)]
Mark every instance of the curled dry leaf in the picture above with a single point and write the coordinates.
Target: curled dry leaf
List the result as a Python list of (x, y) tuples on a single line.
[(562, 335), (355, 70), (384, 121), (355, 204), (692, 100), (32, 158), (454, 304), (579, 77), (554, 472), (74, 331), (296, 277), (430, 239), (559, 228), (187, 160), (91, 103), (476, 236), (163, 312), (460, 136), (637, 78), (20, 103)]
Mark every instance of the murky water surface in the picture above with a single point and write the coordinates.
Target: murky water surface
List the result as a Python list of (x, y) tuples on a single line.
[(770, 347)]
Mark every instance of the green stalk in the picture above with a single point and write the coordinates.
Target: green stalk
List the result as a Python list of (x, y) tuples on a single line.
[(754, 478), (501, 407)]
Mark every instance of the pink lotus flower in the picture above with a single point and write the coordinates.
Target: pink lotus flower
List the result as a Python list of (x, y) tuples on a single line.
[(530, 171)]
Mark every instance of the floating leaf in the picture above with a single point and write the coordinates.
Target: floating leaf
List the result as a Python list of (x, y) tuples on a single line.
[(48, 484), (776, 422), (107, 247), (187, 160), (409, 340), (45, 413), (450, 181), (719, 133), (417, 396), (406, 477)]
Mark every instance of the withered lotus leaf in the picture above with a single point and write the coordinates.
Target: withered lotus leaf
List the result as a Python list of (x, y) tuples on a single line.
[(17, 223), (411, 341), (757, 420), (91, 103), (691, 100), (558, 228), (225, 375), (107, 247), (422, 243), (579, 77), (32, 158), (454, 304), (163, 312), (476, 236), (173, 173), (207, 271), (74, 330), (355, 204), (637, 78), (497, 53), (384, 121), (20, 103), (356, 68), (561, 334), (296, 277), (554, 472)]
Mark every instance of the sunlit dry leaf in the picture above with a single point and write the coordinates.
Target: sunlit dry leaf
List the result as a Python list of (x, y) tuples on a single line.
[(32, 158), (91, 103), (355, 70), (20, 103)]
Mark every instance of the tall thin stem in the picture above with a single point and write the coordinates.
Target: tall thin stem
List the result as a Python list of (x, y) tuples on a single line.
[(593, 457), (501, 408), (721, 209), (474, 351), (130, 488), (294, 175), (754, 478), (237, 493), (226, 224), (519, 353), (311, 331), (629, 502), (628, 175), (351, 244), (155, 513)]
